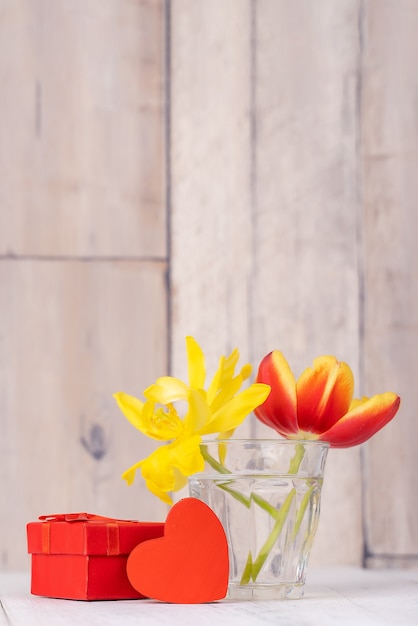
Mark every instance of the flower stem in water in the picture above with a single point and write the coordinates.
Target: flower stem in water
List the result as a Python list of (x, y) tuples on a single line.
[(271, 540)]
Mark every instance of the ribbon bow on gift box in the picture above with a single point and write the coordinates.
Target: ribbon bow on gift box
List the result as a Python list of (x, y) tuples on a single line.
[(110, 524), (79, 517)]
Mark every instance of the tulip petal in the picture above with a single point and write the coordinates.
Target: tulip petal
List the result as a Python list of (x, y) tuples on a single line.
[(324, 394), (365, 419), (195, 364), (279, 409)]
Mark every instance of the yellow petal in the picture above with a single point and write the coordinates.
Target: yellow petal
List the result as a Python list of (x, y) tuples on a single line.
[(226, 434), (131, 407), (139, 414), (166, 390), (214, 385), (246, 371), (229, 365), (167, 468), (157, 471), (223, 374), (195, 364), (185, 456), (157, 425), (154, 488), (222, 447), (199, 412), (168, 425), (226, 393), (232, 414), (129, 474)]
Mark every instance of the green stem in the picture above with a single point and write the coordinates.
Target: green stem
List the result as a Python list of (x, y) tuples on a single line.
[(235, 494), (272, 538), (248, 569), (253, 568), (297, 459), (223, 470), (213, 462), (271, 510), (301, 511), (281, 516)]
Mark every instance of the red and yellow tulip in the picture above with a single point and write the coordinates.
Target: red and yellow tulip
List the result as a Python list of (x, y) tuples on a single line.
[(320, 404)]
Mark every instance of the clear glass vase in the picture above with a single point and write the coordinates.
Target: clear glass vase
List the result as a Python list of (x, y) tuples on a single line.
[(267, 495)]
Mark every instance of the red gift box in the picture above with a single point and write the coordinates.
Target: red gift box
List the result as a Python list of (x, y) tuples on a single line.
[(79, 556)]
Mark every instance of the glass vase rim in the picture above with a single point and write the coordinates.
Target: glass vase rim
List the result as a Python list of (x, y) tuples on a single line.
[(265, 440)]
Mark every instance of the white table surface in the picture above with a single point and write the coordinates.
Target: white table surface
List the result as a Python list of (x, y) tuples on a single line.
[(332, 597)]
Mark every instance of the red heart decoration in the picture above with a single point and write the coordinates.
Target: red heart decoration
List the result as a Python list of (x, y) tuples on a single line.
[(189, 564)]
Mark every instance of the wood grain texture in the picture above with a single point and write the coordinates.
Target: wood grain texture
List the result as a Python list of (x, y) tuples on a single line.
[(265, 200), (390, 163), (211, 218), (306, 259), (292, 224), (82, 184), (76, 333), (82, 128), (333, 595)]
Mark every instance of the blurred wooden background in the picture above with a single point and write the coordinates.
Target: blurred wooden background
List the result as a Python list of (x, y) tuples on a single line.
[(244, 171)]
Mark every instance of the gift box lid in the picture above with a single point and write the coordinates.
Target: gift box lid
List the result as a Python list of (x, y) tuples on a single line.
[(87, 534)]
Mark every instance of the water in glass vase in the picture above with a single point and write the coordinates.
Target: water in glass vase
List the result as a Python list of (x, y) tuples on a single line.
[(270, 522)]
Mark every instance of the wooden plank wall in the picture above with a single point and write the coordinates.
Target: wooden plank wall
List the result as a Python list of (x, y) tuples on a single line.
[(294, 226), (273, 262), (83, 300), (390, 230), (238, 170)]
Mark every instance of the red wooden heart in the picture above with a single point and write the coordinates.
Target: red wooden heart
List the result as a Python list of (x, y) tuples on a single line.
[(189, 564)]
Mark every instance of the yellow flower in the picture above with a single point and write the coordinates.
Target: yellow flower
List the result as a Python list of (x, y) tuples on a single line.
[(219, 409)]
